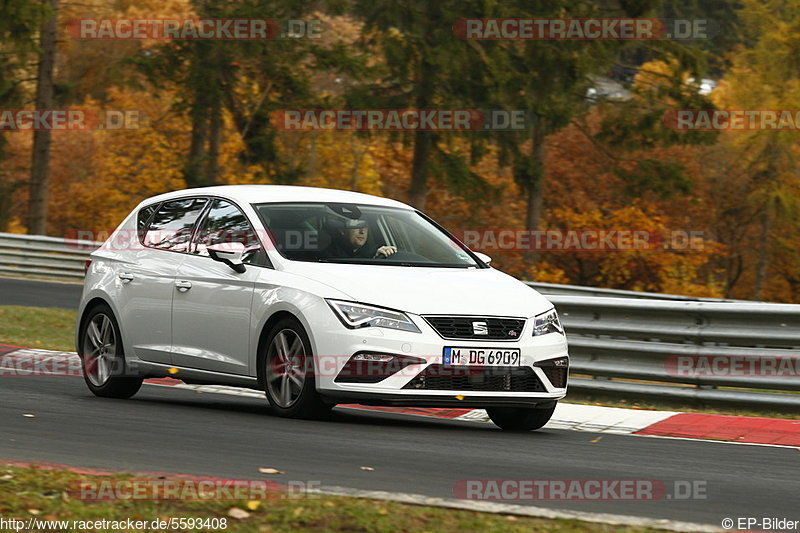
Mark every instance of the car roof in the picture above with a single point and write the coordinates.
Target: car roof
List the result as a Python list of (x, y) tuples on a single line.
[(255, 194)]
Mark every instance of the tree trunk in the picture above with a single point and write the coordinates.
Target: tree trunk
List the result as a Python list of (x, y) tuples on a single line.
[(763, 256), (40, 162), (214, 140), (418, 190), (534, 185), (193, 175), (206, 84), (6, 190), (358, 155), (423, 140)]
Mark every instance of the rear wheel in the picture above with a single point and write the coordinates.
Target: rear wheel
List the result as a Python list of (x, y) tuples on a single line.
[(520, 418), (289, 373), (103, 357)]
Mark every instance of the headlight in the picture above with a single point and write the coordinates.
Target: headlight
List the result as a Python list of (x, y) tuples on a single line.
[(355, 315), (547, 323)]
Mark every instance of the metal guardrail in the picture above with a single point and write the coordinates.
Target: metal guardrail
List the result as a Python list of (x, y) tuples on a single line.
[(578, 290), (623, 341), (45, 257)]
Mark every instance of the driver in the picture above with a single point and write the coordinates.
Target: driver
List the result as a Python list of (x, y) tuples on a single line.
[(352, 242)]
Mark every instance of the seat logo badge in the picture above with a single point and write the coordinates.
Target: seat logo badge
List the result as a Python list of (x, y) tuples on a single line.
[(480, 328)]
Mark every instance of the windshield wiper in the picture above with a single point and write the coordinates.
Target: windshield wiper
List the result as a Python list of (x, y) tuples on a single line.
[(346, 261)]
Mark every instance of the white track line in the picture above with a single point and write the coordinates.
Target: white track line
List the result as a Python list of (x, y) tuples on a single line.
[(518, 510)]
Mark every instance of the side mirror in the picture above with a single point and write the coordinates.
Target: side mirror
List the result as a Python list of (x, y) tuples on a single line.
[(229, 253), (483, 257)]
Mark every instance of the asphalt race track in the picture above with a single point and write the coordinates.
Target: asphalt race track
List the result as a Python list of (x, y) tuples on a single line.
[(175, 430), (40, 293)]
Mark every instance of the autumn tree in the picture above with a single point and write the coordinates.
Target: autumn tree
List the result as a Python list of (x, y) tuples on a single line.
[(421, 64), (761, 222), (40, 158), (247, 78), (20, 23)]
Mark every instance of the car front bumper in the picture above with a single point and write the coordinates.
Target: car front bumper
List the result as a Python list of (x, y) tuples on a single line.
[(335, 344)]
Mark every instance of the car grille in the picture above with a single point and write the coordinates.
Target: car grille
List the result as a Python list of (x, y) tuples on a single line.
[(462, 327), (471, 378)]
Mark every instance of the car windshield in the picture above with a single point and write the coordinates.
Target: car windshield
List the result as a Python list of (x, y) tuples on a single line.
[(361, 234)]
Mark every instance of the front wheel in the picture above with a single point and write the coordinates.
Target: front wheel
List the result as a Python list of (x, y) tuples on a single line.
[(103, 358), (289, 373), (520, 418)]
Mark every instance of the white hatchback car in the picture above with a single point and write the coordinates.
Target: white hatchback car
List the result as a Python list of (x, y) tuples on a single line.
[(316, 297)]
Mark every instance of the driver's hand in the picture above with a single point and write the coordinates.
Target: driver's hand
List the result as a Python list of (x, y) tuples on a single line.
[(386, 251)]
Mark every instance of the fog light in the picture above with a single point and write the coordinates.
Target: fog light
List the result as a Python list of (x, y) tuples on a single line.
[(372, 357), (374, 367)]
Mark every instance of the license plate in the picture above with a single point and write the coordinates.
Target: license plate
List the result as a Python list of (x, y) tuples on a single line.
[(454, 356)]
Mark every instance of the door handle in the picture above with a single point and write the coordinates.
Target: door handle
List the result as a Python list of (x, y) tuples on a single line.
[(125, 276), (183, 286)]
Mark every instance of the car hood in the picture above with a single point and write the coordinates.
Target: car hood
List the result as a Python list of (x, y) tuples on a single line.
[(422, 290)]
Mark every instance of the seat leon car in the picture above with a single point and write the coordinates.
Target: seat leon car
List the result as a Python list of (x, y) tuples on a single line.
[(316, 297)]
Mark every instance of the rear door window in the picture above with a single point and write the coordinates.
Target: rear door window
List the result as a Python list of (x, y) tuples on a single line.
[(224, 223), (142, 219), (172, 225)]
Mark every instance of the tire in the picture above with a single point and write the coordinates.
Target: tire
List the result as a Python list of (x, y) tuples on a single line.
[(103, 358), (292, 392), (520, 418)]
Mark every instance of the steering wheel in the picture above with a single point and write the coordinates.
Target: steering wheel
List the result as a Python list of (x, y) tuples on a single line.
[(402, 256)]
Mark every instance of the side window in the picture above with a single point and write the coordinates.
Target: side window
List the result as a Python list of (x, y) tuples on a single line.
[(142, 219), (171, 226), (225, 223)]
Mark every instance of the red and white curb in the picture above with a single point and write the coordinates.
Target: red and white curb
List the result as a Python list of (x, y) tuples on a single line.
[(568, 416)]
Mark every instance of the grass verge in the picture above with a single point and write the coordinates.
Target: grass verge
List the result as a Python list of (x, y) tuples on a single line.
[(37, 327), (52, 329), (50, 494)]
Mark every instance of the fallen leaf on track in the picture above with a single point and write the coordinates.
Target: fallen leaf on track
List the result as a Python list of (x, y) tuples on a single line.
[(238, 514)]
